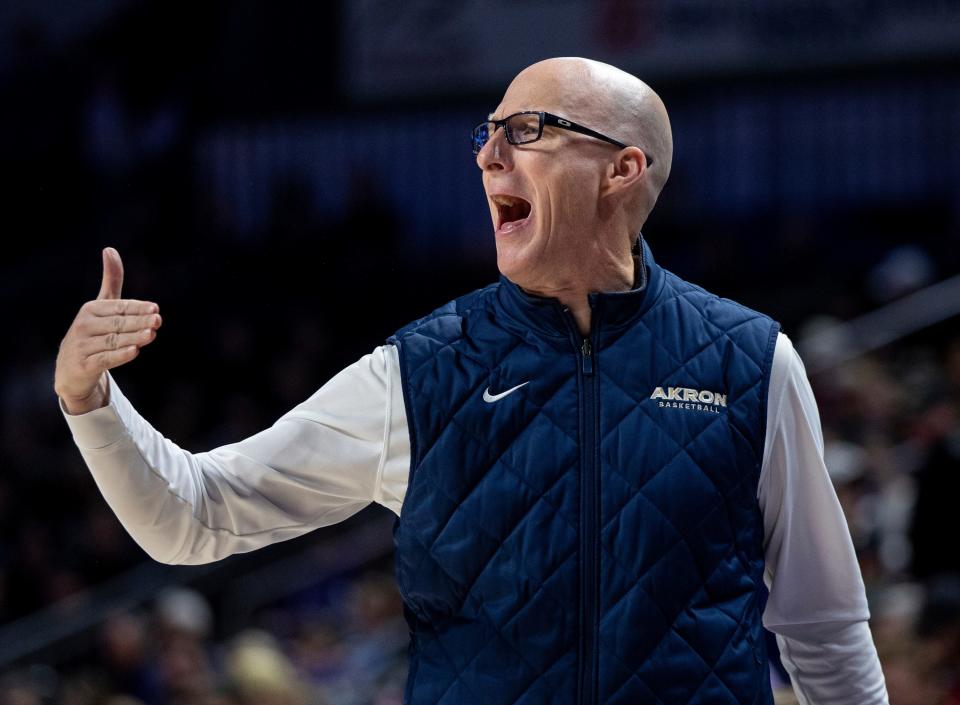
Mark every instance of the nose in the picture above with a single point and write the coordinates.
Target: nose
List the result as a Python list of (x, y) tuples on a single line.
[(495, 154)]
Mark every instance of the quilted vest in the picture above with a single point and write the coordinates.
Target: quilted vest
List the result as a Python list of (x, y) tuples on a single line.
[(581, 524)]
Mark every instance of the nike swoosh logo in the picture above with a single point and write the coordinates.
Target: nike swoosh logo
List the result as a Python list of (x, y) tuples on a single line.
[(490, 398)]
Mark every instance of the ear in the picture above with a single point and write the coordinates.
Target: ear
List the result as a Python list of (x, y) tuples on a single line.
[(627, 167)]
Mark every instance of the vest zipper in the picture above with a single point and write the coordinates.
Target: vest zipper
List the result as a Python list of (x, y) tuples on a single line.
[(590, 496), (589, 512), (586, 355)]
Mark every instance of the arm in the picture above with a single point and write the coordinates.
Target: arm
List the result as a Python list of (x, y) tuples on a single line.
[(318, 464), (817, 605)]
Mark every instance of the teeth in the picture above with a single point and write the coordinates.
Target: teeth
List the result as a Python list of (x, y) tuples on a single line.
[(507, 200)]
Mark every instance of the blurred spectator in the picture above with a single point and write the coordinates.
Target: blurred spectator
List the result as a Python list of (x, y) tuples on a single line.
[(127, 658), (259, 673)]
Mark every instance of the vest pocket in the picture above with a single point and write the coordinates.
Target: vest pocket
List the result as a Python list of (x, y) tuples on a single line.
[(429, 592)]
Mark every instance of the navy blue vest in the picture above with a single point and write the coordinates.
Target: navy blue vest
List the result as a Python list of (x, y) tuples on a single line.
[(592, 536)]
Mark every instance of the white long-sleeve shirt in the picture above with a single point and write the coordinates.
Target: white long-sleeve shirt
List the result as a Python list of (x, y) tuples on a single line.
[(348, 445)]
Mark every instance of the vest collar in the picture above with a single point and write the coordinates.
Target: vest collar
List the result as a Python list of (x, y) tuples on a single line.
[(614, 309)]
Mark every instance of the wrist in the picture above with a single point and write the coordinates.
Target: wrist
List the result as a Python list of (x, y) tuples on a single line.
[(97, 399)]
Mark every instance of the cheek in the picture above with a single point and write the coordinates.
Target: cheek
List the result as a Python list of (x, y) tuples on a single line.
[(576, 184), (571, 202)]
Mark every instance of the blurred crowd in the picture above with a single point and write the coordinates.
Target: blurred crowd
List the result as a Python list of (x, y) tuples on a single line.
[(351, 653), (891, 424)]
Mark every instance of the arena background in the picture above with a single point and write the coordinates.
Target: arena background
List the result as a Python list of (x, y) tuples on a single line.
[(292, 182)]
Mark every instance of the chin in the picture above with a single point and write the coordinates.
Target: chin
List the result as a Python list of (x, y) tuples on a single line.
[(512, 260)]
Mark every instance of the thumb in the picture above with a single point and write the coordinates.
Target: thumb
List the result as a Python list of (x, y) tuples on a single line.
[(112, 275)]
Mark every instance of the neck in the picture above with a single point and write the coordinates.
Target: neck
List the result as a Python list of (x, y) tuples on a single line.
[(574, 296)]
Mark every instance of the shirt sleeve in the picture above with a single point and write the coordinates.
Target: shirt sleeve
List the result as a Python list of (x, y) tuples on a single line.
[(318, 464), (817, 605)]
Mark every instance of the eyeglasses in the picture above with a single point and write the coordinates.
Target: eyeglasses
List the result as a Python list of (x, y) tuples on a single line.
[(527, 126)]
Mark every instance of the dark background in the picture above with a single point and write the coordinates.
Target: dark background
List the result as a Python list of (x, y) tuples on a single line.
[(293, 182)]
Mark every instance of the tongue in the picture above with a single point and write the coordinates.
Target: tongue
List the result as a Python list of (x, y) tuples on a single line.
[(510, 223)]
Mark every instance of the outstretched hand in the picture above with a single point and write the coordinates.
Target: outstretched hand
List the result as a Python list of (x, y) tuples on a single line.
[(107, 332)]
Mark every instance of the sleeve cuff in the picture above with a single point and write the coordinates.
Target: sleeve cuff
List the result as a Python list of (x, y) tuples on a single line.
[(98, 428)]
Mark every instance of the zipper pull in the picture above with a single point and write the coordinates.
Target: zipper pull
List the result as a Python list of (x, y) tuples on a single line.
[(586, 350)]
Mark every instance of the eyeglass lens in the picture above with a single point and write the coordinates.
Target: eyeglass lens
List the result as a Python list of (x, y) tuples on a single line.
[(481, 133), (520, 129), (523, 128)]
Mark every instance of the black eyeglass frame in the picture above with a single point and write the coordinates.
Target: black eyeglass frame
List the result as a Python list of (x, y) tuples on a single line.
[(545, 118)]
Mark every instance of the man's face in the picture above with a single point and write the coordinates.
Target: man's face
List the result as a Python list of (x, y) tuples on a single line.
[(543, 196)]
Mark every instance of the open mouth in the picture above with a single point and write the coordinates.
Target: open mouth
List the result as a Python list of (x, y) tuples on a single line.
[(512, 212)]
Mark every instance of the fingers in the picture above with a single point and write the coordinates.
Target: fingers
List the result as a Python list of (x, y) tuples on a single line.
[(120, 307), (115, 332), (112, 281), (108, 359), (109, 332), (119, 323), (115, 341)]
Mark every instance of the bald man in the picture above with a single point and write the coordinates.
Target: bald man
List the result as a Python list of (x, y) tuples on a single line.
[(599, 470)]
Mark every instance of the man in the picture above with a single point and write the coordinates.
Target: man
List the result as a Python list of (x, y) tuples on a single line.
[(596, 466)]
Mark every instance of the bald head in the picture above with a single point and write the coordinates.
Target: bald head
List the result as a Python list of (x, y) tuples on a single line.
[(566, 208), (610, 101)]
